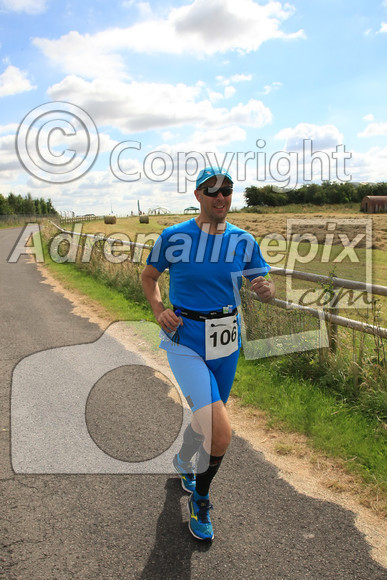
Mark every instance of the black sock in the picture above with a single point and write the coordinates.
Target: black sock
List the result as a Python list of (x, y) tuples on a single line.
[(191, 444), (204, 478)]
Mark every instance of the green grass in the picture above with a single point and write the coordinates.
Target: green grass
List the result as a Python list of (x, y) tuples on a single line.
[(335, 426), (332, 427), (311, 208), (114, 302), (13, 222)]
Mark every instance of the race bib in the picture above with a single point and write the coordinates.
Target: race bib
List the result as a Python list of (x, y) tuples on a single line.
[(221, 337)]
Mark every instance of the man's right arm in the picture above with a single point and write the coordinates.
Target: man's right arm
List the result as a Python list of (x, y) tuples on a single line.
[(164, 316)]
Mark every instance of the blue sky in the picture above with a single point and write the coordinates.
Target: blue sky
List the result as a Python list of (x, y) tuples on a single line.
[(277, 92)]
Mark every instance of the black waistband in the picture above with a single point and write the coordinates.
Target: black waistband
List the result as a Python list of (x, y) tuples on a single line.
[(195, 315)]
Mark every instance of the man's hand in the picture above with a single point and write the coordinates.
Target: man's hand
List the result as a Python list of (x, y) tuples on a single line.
[(263, 288), (168, 320)]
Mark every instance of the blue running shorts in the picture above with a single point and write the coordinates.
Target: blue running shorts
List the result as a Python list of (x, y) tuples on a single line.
[(203, 382)]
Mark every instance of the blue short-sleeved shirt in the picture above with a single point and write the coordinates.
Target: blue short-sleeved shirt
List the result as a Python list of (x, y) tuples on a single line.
[(205, 274), (202, 266)]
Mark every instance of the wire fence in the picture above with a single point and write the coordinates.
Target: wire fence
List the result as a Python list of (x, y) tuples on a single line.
[(329, 314), (23, 218), (83, 218)]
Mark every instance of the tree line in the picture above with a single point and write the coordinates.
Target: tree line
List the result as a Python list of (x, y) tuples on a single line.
[(325, 193), (18, 205)]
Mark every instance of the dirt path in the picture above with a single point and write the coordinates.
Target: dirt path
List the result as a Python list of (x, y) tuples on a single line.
[(308, 471)]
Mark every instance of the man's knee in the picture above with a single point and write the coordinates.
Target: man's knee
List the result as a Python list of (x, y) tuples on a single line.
[(221, 438), (221, 431)]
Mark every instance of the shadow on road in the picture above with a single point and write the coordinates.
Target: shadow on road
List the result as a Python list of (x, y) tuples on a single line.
[(174, 546)]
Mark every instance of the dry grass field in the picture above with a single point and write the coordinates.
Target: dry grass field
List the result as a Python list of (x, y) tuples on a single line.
[(261, 225)]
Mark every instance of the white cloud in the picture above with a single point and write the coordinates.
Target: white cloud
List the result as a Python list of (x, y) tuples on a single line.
[(383, 28), (374, 129), (215, 96), (241, 78), (207, 141), (241, 26), (8, 157), (11, 127), (201, 28), (323, 136), (179, 161), (144, 8), (369, 117), (97, 58), (97, 190), (237, 78), (229, 92), (142, 106), (272, 87), (57, 140), (14, 81), (369, 166), (229, 89), (95, 193), (11, 169), (29, 6), (168, 136)]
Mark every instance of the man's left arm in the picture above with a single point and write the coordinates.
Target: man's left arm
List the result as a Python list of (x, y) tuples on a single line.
[(264, 287)]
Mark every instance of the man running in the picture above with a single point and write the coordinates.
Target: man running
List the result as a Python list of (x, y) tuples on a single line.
[(206, 257)]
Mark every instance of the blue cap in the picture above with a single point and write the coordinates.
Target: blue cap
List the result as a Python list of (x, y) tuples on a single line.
[(209, 172)]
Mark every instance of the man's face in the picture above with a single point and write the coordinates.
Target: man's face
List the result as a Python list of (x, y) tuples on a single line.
[(214, 209)]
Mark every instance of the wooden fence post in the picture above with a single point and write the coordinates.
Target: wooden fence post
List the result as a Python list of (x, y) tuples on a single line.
[(333, 309)]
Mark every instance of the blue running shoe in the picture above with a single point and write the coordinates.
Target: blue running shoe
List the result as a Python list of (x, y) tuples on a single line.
[(199, 522), (186, 473)]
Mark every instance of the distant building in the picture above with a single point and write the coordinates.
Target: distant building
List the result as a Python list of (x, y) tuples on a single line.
[(374, 204), (158, 211), (191, 209)]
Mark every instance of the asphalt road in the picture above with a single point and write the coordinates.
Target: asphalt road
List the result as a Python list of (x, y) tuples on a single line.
[(60, 521)]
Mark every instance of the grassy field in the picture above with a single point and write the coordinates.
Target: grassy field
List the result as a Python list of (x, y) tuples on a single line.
[(272, 221), (292, 403), (337, 399), (11, 222), (368, 265), (331, 426)]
